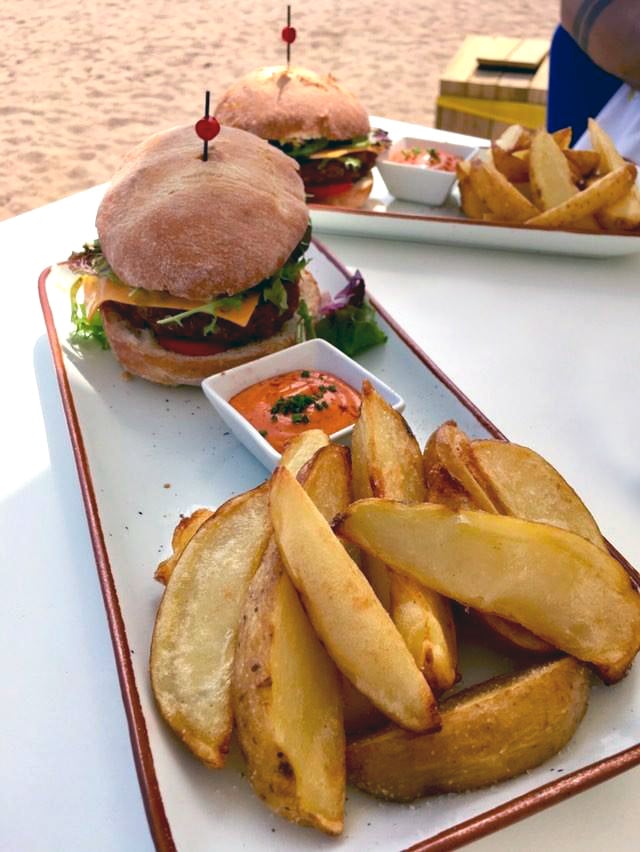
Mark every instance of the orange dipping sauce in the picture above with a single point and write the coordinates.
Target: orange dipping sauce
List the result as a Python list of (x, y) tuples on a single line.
[(283, 406), (432, 158)]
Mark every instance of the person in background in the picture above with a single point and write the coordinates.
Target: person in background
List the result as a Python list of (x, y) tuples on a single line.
[(595, 71)]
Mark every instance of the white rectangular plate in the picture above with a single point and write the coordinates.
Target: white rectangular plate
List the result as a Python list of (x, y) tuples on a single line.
[(145, 455), (385, 217)]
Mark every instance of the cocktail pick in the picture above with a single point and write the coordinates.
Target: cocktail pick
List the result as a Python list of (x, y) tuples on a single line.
[(208, 127), (288, 35)]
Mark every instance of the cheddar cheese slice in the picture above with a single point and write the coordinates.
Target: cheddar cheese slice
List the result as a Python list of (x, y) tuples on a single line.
[(99, 289)]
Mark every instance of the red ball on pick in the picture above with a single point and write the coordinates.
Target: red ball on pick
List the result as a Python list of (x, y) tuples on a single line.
[(289, 34), (208, 128)]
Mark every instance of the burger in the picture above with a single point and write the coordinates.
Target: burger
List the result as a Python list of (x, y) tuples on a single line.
[(199, 265), (314, 120)]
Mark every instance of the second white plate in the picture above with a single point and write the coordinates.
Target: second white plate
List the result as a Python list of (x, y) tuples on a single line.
[(387, 218)]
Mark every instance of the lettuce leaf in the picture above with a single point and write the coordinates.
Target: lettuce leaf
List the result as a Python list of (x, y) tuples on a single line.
[(85, 329), (352, 329), (347, 321)]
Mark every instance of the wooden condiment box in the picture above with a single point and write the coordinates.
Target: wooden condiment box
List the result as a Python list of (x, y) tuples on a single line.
[(492, 82)]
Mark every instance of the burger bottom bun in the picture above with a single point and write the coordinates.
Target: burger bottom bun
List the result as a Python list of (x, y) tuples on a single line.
[(353, 197), (141, 355)]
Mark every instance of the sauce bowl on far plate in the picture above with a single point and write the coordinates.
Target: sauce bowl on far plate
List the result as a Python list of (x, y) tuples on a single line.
[(311, 355), (412, 182)]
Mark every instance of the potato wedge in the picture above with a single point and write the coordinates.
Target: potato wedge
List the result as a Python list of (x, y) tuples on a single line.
[(515, 169), (345, 612), (603, 193), (516, 481), (186, 529), (523, 484), (514, 138), (449, 448), (562, 137), (470, 201), (490, 732), (375, 571), (287, 704), (624, 214), (551, 179), (327, 480), (194, 635), (558, 585), (449, 445), (392, 463), (499, 196), (301, 448), (585, 163)]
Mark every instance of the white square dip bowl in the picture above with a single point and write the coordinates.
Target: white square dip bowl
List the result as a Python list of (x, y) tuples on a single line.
[(420, 183), (311, 355)]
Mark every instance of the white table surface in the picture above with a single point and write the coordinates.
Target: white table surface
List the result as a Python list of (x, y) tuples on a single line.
[(548, 347)]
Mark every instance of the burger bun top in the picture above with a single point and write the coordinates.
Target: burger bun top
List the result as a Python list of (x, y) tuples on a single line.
[(173, 222), (289, 103)]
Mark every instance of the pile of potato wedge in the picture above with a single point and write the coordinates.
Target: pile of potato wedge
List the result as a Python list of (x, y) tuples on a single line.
[(316, 615), (536, 179)]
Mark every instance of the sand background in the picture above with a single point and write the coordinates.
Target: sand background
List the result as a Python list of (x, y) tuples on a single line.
[(81, 83)]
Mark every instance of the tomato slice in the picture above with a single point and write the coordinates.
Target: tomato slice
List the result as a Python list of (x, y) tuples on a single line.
[(190, 347), (327, 190)]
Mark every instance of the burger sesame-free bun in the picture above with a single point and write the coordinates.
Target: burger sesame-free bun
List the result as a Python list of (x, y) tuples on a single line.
[(283, 104), (140, 353), (353, 197), (172, 222)]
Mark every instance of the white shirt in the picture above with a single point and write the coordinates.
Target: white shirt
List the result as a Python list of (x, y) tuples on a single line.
[(620, 117)]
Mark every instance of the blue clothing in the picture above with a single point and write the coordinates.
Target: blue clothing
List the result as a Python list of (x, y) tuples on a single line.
[(578, 88)]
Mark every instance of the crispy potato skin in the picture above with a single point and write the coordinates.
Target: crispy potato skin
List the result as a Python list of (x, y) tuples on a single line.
[(489, 733), (287, 705), (194, 634)]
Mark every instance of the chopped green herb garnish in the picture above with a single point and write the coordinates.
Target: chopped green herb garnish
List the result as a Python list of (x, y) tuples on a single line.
[(305, 374), (263, 432)]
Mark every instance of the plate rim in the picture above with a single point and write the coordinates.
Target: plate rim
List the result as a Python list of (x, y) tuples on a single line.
[(453, 837), (455, 220)]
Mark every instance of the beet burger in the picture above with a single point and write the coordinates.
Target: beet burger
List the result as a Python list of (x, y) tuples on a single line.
[(314, 120), (199, 265)]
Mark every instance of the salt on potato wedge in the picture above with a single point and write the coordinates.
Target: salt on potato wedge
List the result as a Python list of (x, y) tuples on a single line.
[(194, 635), (345, 612), (564, 589), (489, 733), (287, 704), (598, 195), (391, 463)]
